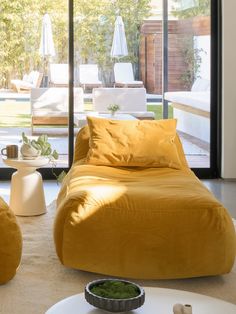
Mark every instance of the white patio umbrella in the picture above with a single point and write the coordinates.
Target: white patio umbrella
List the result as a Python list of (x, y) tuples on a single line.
[(46, 48), (119, 45)]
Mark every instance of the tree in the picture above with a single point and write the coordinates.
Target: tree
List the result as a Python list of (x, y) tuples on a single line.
[(191, 55), (202, 8), (15, 54), (20, 31), (94, 27)]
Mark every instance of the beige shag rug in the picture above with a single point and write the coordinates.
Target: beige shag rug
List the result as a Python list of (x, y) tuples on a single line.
[(42, 281)]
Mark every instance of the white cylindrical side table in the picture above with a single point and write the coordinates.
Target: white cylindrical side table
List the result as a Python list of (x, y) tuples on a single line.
[(27, 195)]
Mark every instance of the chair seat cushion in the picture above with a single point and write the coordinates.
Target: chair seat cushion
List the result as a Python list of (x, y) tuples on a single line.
[(22, 84), (10, 243)]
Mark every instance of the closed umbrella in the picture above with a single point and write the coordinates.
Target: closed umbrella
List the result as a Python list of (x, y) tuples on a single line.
[(119, 45), (46, 49)]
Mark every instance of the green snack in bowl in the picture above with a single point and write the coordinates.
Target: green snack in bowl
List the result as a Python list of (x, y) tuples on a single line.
[(115, 290)]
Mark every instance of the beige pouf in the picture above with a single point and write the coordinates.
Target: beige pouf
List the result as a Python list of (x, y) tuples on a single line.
[(10, 243)]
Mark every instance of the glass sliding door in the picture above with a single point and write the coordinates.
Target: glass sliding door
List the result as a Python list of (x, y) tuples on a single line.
[(189, 76), (97, 59), (34, 75), (177, 60), (168, 45)]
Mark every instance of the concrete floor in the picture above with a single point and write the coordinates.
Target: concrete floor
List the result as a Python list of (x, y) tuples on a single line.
[(224, 191)]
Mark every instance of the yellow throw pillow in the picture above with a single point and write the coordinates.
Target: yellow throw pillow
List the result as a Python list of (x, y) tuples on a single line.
[(141, 143)]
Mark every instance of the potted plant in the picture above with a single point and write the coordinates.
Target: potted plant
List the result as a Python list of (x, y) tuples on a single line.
[(113, 108), (32, 149), (114, 295)]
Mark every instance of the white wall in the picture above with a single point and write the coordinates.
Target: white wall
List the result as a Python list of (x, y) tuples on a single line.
[(229, 90)]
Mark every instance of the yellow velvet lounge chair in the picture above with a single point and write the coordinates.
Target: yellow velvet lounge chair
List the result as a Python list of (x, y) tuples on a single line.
[(10, 243), (143, 223)]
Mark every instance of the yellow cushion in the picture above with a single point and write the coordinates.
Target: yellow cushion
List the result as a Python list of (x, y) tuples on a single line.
[(10, 243), (142, 143), (82, 147)]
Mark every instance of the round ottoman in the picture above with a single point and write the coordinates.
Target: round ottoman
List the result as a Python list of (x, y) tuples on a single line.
[(10, 243)]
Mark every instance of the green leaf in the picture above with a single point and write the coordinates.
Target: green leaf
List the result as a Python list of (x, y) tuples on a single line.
[(61, 177), (55, 154), (25, 138)]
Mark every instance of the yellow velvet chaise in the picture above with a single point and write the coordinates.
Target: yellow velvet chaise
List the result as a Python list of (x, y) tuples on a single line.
[(10, 243), (140, 222)]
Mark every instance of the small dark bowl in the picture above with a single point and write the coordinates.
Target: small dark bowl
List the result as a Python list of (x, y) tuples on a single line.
[(113, 305)]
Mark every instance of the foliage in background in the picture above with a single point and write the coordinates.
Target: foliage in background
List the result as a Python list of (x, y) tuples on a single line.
[(191, 55), (94, 27), (192, 60), (20, 31), (202, 8)]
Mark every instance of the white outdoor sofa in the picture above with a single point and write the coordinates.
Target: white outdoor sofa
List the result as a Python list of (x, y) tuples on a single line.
[(50, 105), (131, 101), (192, 109)]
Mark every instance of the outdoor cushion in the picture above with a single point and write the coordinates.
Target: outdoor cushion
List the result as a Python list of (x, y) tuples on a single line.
[(123, 73), (130, 143), (88, 74), (10, 243), (198, 100), (59, 74), (150, 223), (22, 84), (201, 85), (53, 101)]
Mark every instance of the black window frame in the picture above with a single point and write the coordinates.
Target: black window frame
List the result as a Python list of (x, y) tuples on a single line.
[(216, 94)]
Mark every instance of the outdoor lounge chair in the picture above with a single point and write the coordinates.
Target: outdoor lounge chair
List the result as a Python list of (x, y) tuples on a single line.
[(49, 106), (88, 76), (124, 76), (130, 100), (59, 75), (31, 80)]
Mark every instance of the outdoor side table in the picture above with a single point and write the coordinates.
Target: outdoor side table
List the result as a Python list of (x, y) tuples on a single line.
[(27, 195), (80, 119)]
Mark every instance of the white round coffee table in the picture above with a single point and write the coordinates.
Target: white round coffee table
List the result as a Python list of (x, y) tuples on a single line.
[(27, 195), (157, 301)]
